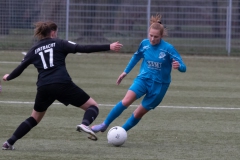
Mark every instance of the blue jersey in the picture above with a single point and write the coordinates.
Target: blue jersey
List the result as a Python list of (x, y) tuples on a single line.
[(157, 61)]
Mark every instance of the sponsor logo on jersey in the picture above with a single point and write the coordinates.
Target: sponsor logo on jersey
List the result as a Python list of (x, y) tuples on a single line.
[(154, 65)]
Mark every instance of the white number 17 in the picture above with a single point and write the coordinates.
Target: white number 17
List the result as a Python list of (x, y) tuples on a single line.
[(50, 51)]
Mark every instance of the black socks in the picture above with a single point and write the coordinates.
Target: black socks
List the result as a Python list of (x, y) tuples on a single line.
[(22, 130), (90, 115)]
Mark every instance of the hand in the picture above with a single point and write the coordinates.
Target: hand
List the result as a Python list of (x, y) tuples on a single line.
[(116, 46), (5, 77), (175, 64), (120, 78)]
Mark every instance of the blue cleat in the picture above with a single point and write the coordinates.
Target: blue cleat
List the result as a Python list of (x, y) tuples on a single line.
[(99, 127)]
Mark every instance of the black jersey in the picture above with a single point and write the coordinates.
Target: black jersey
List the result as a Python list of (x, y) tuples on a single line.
[(48, 56)]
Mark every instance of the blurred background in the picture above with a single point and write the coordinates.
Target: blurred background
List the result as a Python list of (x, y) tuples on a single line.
[(195, 27)]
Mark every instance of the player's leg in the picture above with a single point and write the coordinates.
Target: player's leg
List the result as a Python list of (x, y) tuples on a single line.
[(91, 113), (136, 90), (23, 129), (42, 102), (74, 95), (151, 100), (135, 117), (116, 111)]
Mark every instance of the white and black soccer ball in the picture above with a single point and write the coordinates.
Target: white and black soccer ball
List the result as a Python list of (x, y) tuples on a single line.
[(117, 136)]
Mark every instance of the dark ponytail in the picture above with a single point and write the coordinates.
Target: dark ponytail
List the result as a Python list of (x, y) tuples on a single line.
[(43, 29)]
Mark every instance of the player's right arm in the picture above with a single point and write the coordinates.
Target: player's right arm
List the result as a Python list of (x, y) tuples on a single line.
[(133, 61), (120, 78), (17, 71)]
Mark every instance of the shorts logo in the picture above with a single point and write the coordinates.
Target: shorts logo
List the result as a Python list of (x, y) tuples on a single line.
[(162, 55)]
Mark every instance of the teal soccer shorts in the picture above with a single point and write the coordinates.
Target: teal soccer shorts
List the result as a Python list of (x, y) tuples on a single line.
[(153, 91)]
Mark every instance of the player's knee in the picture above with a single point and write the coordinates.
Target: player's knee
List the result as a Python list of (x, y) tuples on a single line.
[(92, 102), (129, 98), (127, 102)]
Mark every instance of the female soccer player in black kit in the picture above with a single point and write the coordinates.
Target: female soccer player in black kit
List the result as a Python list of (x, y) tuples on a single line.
[(54, 83)]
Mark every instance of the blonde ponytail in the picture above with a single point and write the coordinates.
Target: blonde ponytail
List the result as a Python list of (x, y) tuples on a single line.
[(155, 23)]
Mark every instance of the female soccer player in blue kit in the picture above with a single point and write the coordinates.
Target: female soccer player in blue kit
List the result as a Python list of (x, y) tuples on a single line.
[(153, 80)]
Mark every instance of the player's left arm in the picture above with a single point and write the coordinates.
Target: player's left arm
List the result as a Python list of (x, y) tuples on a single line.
[(72, 47), (177, 62)]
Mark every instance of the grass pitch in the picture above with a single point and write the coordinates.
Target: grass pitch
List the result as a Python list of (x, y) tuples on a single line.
[(198, 118)]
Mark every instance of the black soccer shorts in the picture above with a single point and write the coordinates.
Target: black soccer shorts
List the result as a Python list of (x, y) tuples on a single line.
[(66, 93)]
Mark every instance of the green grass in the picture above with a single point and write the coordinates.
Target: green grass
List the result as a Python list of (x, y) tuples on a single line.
[(198, 118)]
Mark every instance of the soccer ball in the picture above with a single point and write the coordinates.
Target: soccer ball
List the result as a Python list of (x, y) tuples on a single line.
[(117, 136)]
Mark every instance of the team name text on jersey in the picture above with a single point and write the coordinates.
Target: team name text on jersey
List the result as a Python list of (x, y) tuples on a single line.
[(51, 45)]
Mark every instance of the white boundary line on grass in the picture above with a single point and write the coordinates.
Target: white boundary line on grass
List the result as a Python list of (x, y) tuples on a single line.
[(7, 62), (175, 107), (111, 105)]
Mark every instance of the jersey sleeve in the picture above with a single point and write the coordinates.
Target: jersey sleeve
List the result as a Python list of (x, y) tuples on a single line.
[(72, 47), (20, 68), (92, 48), (176, 56), (135, 59)]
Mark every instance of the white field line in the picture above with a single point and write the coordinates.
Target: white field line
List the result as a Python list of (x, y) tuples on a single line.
[(111, 105), (7, 62)]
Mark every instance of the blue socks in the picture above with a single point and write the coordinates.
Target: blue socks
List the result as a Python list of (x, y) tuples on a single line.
[(114, 113), (131, 122)]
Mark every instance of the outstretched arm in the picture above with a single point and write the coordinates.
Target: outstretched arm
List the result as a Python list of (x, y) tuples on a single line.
[(116, 46), (5, 77), (17, 71)]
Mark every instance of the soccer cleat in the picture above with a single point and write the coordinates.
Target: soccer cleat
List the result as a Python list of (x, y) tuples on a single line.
[(87, 130), (99, 127), (7, 146)]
